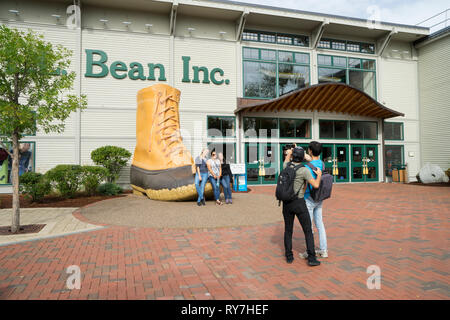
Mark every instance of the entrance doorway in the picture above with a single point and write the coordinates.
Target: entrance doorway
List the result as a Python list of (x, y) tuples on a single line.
[(262, 163), (335, 157), (364, 162)]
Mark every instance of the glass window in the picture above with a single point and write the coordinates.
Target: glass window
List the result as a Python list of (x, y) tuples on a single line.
[(393, 156), (340, 130), (393, 131), (268, 55), (268, 127), (332, 75), (324, 60), (340, 62), (367, 48), (250, 53), (266, 37), (326, 129), (284, 56), (228, 150), (292, 77), (301, 41), (301, 58), (353, 46), (259, 79), (27, 156), (324, 44), (295, 128), (221, 126), (363, 130), (251, 127), (369, 64), (354, 63), (250, 36), (284, 39), (338, 45)]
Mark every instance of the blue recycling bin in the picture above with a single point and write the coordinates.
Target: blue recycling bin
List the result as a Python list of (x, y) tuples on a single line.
[(240, 182)]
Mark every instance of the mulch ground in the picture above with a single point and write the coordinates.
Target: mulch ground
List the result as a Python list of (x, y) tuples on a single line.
[(55, 201), (29, 228)]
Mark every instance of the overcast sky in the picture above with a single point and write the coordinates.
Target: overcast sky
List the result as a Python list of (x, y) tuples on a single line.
[(397, 11)]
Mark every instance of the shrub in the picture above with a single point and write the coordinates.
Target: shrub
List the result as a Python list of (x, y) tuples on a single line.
[(34, 185), (92, 177), (67, 179), (109, 189), (112, 158)]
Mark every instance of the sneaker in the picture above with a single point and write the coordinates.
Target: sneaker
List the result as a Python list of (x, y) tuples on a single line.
[(313, 262), (303, 255), (199, 204), (322, 253), (289, 259), (227, 201), (204, 202), (231, 201)]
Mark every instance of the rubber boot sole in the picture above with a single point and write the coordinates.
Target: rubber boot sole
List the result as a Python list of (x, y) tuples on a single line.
[(175, 184)]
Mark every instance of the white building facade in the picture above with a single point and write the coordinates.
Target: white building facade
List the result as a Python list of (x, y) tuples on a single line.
[(223, 55)]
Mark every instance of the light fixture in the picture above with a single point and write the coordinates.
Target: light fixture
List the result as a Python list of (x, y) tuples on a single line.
[(191, 29), (149, 25), (57, 16), (14, 11), (394, 50), (103, 20), (222, 32), (127, 23)]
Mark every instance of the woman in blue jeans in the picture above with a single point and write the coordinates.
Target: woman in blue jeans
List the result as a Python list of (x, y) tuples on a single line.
[(227, 177), (215, 171), (201, 176)]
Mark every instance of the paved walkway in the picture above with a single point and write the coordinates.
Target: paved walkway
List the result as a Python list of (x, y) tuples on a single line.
[(402, 229), (58, 221)]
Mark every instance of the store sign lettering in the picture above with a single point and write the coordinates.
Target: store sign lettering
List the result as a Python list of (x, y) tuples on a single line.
[(152, 71)]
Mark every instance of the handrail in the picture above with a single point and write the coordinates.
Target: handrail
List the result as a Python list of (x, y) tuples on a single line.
[(444, 19)]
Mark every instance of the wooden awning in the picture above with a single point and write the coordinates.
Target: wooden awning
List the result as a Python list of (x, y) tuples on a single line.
[(325, 97)]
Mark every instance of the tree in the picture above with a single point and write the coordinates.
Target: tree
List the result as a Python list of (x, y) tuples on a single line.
[(32, 94)]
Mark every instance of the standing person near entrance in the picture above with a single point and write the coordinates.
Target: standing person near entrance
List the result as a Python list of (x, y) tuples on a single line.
[(201, 176), (227, 177), (315, 208), (215, 171), (297, 207)]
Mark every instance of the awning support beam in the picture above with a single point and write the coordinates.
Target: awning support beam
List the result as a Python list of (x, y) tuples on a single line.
[(318, 32), (173, 17), (383, 42), (241, 25)]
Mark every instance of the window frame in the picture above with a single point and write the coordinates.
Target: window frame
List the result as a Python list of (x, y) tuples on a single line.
[(276, 62), (304, 138), (335, 120), (403, 158), (219, 116), (257, 131), (346, 43), (224, 142), (364, 138), (276, 34), (348, 68), (402, 134)]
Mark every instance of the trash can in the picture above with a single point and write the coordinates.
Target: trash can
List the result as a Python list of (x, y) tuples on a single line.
[(399, 173)]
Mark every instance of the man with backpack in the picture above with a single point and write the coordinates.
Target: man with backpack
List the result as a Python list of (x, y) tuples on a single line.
[(314, 206), (290, 189)]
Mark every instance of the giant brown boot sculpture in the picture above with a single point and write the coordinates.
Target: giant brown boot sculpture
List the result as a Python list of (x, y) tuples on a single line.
[(162, 167)]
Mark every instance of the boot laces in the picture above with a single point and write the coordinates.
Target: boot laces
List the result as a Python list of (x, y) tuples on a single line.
[(168, 126)]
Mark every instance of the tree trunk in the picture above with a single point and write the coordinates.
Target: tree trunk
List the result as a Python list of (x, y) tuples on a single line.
[(15, 182)]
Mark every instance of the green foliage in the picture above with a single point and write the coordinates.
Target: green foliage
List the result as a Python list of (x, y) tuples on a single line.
[(92, 177), (34, 186), (109, 189), (66, 178), (29, 72), (112, 158)]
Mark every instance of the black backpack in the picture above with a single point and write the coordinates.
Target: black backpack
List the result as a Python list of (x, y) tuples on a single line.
[(285, 184), (326, 185)]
